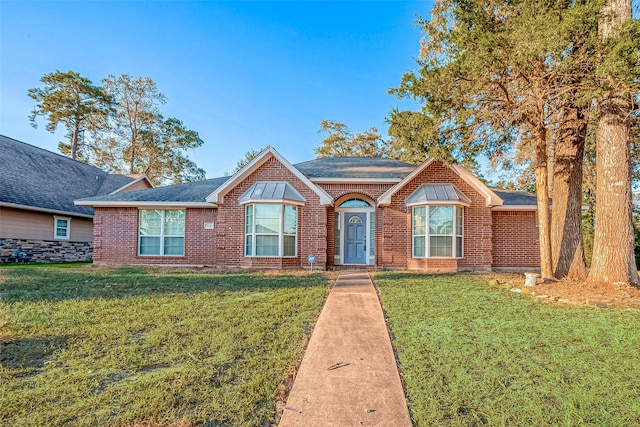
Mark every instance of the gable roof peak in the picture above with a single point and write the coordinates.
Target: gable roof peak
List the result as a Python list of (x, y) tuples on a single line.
[(217, 196), (491, 198)]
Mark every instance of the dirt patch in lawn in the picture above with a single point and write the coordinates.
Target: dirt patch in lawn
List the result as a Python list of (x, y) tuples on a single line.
[(573, 291)]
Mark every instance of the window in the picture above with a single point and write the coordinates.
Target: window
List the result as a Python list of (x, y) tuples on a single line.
[(61, 227), (337, 234), (437, 231), (161, 232), (372, 233), (270, 230), (355, 203)]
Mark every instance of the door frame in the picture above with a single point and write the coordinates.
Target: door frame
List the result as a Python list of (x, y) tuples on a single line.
[(369, 259)]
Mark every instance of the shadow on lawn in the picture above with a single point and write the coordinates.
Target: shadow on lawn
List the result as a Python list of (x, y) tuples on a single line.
[(55, 284), (29, 353)]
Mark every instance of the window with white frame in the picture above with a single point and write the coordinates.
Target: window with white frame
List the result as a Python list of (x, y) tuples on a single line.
[(61, 227), (437, 231), (161, 232), (271, 230)]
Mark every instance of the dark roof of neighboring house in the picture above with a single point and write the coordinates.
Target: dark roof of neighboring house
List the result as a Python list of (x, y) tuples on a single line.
[(511, 197), (34, 177), (113, 182), (355, 167), (196, 191)]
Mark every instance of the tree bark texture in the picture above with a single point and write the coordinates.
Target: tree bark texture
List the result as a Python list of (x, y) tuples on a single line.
[(74, 140), (542, 196), (566, 211), (613, 246), (613, 256)]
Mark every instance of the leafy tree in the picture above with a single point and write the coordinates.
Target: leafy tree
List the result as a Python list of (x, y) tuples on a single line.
[(137, 139), (342, 142), (492, 73), (72, 100), (162, 152), (246, 158)]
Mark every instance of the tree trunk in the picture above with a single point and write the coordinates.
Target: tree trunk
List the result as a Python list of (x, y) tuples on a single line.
[(613, 246), (542, 196), (132, 159), (566, 213), (74, 140), (613, 256)]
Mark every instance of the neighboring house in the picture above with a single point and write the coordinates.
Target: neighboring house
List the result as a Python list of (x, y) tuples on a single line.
[(346, 211), (38, 219)]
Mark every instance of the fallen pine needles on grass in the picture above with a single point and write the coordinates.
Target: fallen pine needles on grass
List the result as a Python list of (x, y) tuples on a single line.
[(89, 346), (473, 355)]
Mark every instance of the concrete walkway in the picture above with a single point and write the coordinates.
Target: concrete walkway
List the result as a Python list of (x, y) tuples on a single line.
[(348, 376)]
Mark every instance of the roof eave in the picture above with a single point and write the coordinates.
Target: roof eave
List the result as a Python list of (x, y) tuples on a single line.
[(271, 201), (491, 198), (44, 210), (145, 204), (515, 208), (440, 203)]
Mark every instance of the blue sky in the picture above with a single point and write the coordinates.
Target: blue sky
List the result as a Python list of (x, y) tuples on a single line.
[(242, 74)]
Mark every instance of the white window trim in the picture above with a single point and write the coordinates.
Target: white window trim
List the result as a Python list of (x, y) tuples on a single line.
[(55, 227), (162, 235), (454, 235), (281, 234)]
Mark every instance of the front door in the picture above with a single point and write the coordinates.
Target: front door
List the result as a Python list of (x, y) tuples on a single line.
[(355, 238)]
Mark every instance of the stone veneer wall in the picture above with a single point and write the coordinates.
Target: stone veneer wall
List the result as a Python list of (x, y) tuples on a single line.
[(45, 250)]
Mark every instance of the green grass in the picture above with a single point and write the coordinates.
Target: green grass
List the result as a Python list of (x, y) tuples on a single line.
[(474, 355), (70, 264), (89, 346)]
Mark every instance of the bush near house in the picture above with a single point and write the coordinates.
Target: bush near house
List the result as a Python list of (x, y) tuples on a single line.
[(473, 354), (88, 346)]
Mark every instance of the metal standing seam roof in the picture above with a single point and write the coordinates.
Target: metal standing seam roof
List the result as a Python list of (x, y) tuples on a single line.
[(271, 191), (437, 193)]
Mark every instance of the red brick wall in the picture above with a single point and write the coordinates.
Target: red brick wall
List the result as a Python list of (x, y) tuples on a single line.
[(115, 236), (515, 240), (498, 239), (395, 240), (116, 230), (312, 223)]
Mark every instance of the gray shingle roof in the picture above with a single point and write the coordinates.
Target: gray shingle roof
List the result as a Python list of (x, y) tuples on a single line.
[(511, 197), (114, 182), (355, 167), (32, 176), (188, 192), (332, 167)]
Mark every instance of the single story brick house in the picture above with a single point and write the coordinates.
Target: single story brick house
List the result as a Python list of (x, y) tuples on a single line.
[(38, 218), (353, 212)]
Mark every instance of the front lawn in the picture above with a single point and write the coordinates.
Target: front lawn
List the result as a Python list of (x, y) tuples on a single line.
[(473, 354), (87, 346)]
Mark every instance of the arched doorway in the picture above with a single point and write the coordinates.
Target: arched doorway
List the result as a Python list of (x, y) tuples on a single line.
[(355, 231)]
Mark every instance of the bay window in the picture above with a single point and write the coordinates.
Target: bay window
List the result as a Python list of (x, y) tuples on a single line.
[(437, 231), (271, 230)]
